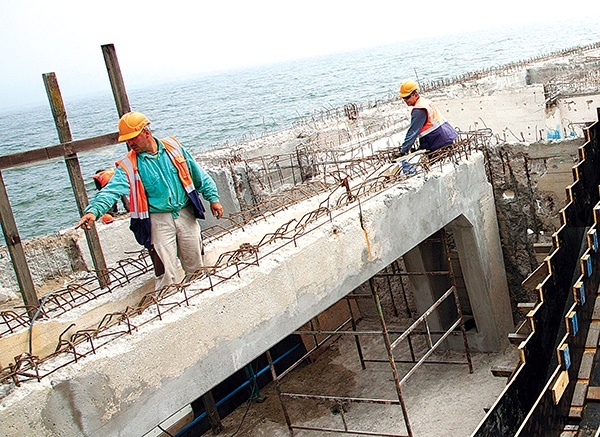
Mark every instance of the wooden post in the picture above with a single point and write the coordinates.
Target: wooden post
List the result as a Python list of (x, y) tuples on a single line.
[(122, 102), (77, 183), (211, 412), (17, 254), (116, 79)]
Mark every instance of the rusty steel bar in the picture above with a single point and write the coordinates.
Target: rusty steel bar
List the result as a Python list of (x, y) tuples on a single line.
[(342, 398), (432, 273), (310, 352), (390, 354), (431, 350), (396, 268), (445, 240), (342, 431), (214, 275), (356, 338)]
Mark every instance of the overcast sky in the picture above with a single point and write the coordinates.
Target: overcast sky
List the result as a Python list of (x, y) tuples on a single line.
[(167, 39)]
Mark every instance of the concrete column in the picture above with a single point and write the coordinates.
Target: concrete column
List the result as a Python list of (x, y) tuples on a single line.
[(482, 264)]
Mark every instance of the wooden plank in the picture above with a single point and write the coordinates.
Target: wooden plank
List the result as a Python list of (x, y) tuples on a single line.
[(77, 183), (593, 394), (530, 283), (564, 356), (175, 423), (58, 151), (502, 371), (525, 307), (559, 386), (572, 320), (579, 394), (587, 362), (569, 431), (592, 337), (516, 338), (212, 413), (17, 253), (542, 248), (576, 413), (541, 251), (596, 313), (116, 79), (179, 425)]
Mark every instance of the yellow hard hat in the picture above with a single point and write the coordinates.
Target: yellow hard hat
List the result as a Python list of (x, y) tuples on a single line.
[(407, 88), (131, 124)]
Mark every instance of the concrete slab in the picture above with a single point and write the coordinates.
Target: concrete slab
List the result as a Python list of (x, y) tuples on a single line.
[(138, 380)]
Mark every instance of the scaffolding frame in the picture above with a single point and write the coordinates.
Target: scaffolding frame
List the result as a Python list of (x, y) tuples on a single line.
[(392, 340)]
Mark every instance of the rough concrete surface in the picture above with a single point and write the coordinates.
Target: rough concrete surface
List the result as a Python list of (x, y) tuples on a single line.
[(442, 400), (249, 314), (127, 389)]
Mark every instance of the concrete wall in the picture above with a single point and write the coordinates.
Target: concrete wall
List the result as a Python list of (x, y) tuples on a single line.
[(566, 117), (48, 257), (132, 385), (512, 114)]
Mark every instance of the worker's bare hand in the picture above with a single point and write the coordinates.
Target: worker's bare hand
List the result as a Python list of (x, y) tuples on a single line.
[(86, 221), (217, 209)]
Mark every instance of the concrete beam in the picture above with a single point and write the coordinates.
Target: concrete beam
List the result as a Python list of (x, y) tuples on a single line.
[(135, 382)]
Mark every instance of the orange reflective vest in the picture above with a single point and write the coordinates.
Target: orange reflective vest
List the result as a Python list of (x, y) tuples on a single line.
[(138, 202), (434, 117)]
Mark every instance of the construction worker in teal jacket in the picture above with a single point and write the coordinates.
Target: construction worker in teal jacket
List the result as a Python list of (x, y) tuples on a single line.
[(164, 183)]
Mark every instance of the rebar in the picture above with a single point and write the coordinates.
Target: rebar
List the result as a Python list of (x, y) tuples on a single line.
[(228, 265)]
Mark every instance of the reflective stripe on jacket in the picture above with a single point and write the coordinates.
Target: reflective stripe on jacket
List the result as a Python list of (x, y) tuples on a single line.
[(173, 148), (434, 117), (437, 131), (138, 202)]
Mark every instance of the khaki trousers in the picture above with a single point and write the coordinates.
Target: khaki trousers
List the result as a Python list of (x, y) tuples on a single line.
[(177, 242)]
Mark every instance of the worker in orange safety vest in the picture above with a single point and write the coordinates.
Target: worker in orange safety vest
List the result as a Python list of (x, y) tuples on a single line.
[(427, 123), (164, 183)]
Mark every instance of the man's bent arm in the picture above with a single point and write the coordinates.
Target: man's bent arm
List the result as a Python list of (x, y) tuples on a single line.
[(417, 121)]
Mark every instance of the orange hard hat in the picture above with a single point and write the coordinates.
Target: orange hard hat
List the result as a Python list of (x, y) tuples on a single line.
[(107, 218), (408, 87), (131, 125)]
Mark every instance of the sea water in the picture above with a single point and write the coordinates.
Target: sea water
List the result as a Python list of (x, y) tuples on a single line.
[(208, 110)]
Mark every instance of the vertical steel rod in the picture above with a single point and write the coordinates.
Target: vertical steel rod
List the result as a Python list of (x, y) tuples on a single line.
[(390, 353), (390, 289), (356, 337), (396, 268), (457, 300)]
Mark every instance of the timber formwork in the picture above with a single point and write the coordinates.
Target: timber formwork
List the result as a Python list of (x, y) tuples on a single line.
[(538, 398)]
